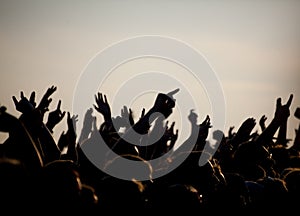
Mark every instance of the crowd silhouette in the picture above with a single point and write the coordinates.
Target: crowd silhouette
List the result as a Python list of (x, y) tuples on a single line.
[(247, 171)]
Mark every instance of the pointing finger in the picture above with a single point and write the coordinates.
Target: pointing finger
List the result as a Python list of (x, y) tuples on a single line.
[(171, 93), (288, 104), (58, 105), (278, 102)]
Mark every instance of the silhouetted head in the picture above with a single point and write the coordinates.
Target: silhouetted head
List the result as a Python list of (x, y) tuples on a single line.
[(292, 179), (252, 160), (61, 184), (174, 198), (205, 177), (16, 186)]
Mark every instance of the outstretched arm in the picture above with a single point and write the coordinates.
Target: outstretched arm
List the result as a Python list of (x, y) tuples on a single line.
[(281, 115), (163, 106), (87, 126), (32, 119), (46, 100), (244, 132), (70, 139), (262, 123)]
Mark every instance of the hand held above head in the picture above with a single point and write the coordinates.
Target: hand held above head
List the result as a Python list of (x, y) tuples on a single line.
[(164, 103), (282, 112)]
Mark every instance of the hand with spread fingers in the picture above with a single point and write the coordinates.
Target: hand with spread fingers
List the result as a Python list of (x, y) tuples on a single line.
[(55, 117)]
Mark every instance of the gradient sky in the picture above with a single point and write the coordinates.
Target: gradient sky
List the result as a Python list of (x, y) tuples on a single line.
[(253, 47)]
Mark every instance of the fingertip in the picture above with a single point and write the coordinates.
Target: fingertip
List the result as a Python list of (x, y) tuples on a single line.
[(290, 99), (278, 101), (32, 96)]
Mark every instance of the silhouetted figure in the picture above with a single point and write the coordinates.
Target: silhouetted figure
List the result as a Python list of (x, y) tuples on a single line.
[(243, 172)]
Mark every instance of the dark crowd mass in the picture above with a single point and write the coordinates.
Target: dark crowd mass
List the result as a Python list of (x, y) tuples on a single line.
[(246, 171)]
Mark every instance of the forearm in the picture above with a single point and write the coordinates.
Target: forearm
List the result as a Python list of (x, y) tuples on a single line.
[(71, 154), (281, 139), (49, 147), (267, 135)]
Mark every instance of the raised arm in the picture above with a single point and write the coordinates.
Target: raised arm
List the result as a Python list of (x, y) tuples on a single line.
[(244, 132), (46, 100), (163, 106), (32, 118), (55, 117), (262, 122), (70, 139), (102, 106), (281, 115)]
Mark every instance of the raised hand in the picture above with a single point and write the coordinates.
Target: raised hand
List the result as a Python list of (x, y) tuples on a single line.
[(231, 134), (164, 103), (282, 112), (46, 100), (32, 99), (262, 122), (75, 120), (143, 113), (204, 128), (95, 129), (279, 120), (69, 140), (71, 132), (247, 126), (55, 117), (62, 141), (87, 126), (244, 132), (166, 141), (88, 120), (23, 105), (170, 135), (130, 117), (127, 117), (206, 122), (125, 112), (193, 117), (172, 93), (102, 106)]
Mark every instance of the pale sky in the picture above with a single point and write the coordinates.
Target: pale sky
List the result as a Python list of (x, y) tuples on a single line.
[(252, 46)]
